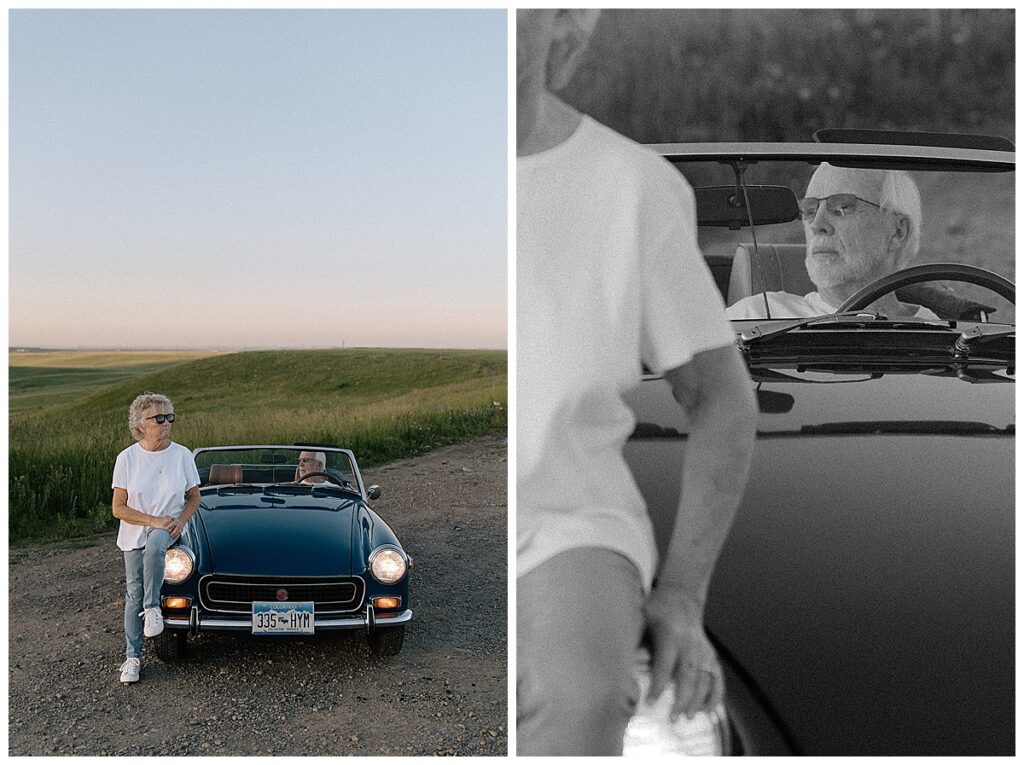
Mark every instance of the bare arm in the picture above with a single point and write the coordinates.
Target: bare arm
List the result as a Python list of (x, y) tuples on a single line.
[(136, 517), (176, 525), (714, 389)]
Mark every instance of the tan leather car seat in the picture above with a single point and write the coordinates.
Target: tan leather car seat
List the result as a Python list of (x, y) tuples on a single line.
[(225, 474), (782, 266)]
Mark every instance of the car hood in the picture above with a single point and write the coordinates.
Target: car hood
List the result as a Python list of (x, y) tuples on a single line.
[(867, 586), (300, 538)]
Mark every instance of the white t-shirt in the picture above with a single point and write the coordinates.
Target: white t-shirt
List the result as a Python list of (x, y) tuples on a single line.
[(608, 274), (787, 306), (156, 483)]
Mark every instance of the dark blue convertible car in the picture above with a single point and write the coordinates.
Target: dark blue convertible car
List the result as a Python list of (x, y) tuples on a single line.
[(864, 601), (284, 543)]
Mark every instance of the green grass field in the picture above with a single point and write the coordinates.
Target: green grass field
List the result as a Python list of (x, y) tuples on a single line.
[(69, 414), (39, 380)]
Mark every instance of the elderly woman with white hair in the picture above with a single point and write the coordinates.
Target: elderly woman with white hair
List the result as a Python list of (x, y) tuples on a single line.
[(156, 491)]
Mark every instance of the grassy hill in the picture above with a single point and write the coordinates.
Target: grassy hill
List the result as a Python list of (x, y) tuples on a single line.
[(70, 423), (38, 380)]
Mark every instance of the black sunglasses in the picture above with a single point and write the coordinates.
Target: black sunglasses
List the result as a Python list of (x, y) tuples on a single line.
[(161, 417)]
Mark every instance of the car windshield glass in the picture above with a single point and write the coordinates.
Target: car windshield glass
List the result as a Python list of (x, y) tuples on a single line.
[(966, 218), (261, 466)]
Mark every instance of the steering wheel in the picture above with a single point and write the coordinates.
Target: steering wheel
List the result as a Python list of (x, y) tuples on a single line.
[(318, 472), (927, 273)]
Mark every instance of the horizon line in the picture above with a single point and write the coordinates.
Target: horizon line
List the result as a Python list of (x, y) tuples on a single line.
[(237, 348)]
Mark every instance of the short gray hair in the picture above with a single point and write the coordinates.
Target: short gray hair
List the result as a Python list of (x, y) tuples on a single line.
[(900, 195), (137, 411)]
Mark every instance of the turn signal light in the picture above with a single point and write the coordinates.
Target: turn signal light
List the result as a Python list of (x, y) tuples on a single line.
[(177, 602), (387, 602)]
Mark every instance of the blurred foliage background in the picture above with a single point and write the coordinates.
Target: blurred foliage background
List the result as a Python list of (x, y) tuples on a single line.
[(720, 75)]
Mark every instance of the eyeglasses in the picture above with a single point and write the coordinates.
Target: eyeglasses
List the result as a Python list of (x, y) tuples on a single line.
[(161, 417), (837, 204)]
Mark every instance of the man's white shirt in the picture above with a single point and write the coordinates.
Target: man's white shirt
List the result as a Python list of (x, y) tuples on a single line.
[(784, 305)]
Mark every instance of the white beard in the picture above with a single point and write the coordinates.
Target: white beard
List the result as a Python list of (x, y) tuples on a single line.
[(830, 271)]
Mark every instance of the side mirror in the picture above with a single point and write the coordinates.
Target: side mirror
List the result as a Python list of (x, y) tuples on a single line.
[(725, 206), (373, 492)]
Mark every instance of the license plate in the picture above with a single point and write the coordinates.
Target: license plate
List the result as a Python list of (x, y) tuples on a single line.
[(270, 618)]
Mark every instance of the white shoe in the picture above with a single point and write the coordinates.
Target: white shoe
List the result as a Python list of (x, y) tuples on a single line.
[(154, 623), (130, 671)]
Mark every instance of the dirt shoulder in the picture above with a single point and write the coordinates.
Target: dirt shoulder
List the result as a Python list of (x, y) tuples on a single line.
[(444, 694)]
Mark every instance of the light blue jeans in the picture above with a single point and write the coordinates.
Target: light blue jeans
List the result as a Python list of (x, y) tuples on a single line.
[(143, 573), (579, 621)]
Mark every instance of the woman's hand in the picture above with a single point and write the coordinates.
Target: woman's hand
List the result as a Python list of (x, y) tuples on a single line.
[(174, 527), (681, 653)]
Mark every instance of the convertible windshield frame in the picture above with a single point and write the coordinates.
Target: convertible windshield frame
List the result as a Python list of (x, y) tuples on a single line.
[(843, 155), (357, 485)]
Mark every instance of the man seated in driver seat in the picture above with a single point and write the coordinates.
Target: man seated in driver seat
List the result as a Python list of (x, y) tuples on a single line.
[(860, 225), (311, 462)]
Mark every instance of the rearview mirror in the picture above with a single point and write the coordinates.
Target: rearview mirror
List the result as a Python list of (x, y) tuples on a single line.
[(722, 206), (373, 492)]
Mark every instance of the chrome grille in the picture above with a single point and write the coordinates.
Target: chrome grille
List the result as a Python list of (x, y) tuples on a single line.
[(235, 594)]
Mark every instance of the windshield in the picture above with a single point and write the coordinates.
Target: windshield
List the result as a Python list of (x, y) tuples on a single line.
[(273, 465), (965, 218)]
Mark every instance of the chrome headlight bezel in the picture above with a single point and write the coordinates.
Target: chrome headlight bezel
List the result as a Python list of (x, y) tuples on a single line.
[(184, 560), (385, 561)]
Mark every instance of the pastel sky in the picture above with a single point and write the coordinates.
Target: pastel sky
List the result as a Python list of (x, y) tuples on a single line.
[(258, 179)]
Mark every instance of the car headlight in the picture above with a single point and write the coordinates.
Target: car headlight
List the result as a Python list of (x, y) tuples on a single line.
[(387, 565), (650, 732), (178, 565)]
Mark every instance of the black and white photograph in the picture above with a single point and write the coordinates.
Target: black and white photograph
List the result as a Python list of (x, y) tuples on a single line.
[(764, 365)]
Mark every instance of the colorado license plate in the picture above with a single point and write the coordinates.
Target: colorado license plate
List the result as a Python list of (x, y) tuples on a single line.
[(270, 618)]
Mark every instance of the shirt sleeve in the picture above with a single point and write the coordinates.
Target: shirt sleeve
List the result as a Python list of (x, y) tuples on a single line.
[(191, 471), (682, 312), (120, 480)]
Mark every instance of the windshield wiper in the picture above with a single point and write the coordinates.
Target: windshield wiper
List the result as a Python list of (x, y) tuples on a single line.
[(913, 427), (982, 333), (238, 488), (302, 488), (755, 335)]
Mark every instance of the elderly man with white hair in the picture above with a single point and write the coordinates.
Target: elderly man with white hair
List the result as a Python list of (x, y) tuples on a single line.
[(860, 225), (311, 462), (609, 278)]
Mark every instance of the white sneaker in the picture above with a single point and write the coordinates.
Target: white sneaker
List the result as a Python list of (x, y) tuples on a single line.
[(130, 671), (154, 623)]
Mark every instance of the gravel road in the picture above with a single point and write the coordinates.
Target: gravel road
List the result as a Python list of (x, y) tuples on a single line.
[(446, 693)]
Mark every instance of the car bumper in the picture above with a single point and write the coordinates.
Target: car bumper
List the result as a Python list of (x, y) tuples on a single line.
[(195, 622)]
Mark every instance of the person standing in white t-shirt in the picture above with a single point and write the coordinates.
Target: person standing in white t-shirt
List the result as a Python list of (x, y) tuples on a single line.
[(609, 276), (156, 491)]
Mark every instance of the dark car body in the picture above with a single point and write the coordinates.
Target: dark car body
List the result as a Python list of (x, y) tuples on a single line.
[(864, 601), (261, 536)]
